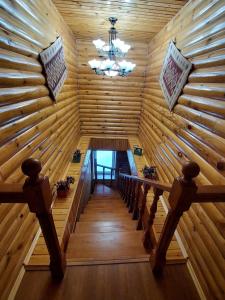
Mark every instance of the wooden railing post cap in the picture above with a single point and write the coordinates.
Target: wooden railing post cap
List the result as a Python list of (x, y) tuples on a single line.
[(31, 167), (190, 170)]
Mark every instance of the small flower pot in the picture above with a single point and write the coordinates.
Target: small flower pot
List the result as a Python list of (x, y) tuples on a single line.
[(76, 159), (62, 193)]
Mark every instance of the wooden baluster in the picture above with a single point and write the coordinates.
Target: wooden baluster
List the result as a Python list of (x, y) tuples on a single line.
[(39, 197), (96, 173), (129, 192), (123, 186), (103, 175), (181, 196), (127, 189), (149, 241), (92, 174), (136, 201), (132, 199), (143, 205)]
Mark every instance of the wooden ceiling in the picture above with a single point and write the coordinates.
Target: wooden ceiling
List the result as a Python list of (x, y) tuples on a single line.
[(139, 20)]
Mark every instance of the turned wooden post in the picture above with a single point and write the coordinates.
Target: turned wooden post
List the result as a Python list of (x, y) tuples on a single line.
[(95, 169), (129, 193), (132, 198), (148, 241), (127, 181), (39, 198), (136, 201), (182, 194), (143, 205)]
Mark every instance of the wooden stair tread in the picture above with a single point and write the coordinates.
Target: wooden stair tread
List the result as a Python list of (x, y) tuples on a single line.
[(89, 227), (102, 246)]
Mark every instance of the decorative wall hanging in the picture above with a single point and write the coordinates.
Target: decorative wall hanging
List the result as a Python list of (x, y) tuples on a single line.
[(54, 64), (174, 74)]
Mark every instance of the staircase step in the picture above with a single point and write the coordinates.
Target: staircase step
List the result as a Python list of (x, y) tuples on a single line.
[(105, 209), (113, 226), (105, 217), (106, 246)]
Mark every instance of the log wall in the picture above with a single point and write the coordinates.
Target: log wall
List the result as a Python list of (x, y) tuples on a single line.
[(110, 105), (194, 130), (31, 124)]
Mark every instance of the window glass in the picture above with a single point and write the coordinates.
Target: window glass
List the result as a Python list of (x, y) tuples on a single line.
[(105, 158)]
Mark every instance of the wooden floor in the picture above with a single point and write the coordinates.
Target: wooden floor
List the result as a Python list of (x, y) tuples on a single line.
[(133, 281), (105, 231)]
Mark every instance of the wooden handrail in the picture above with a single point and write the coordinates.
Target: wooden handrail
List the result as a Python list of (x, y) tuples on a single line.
[(103, 173), (36, 192), (210, 193), (83, 191), (106, 167), (157, 184), (11, 193), (182, 193)]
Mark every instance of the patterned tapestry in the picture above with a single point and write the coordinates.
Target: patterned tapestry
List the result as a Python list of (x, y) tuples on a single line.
[(174, 74), (53, 61)]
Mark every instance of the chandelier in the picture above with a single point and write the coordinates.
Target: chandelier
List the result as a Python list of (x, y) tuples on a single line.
[(111, 52)]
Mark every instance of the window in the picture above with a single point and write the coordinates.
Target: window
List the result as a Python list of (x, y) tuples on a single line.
[(105, 158)]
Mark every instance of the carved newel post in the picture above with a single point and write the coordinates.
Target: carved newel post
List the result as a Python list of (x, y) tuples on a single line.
[(181, 196), (39, 198)]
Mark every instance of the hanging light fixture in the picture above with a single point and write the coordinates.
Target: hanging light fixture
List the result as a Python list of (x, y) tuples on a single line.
[(112, 51)]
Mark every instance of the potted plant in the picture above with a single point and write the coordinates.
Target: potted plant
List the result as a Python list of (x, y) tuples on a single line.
[(63, 186), (76, 156), (150, 172)]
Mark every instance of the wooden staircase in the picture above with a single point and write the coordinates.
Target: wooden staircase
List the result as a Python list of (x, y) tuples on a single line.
[(105, 232)]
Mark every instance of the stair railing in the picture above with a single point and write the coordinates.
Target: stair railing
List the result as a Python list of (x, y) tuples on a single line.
[(182, 193), (112, 170), (37, 193)]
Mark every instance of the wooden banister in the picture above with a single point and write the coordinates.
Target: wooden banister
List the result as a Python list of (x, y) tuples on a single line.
[(11, 193), (157, 184), (36, 192), (210, 193), (182, 193)]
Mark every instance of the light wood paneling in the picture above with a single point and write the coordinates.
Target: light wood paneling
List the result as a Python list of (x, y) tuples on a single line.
[(110, 105), (31, 124), (138, 20), (194, 130)]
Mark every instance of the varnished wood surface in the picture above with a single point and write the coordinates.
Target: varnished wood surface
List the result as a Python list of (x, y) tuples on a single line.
[(61, 214), (110, 105), (193, 131), (138, 20), (132, 281), (31, 124), (109, 244), (111, 233)]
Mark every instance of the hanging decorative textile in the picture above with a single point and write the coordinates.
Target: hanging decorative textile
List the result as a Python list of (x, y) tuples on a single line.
[(53, 61), (174, 74)]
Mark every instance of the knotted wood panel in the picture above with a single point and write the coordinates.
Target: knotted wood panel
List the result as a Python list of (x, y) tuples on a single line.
[(31, 124), (194, 130), (110, 105)]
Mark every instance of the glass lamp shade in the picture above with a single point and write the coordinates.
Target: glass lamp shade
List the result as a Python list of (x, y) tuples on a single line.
[(94, 64), (121, 45), (126, 66), (111, 73), (99, 43)]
